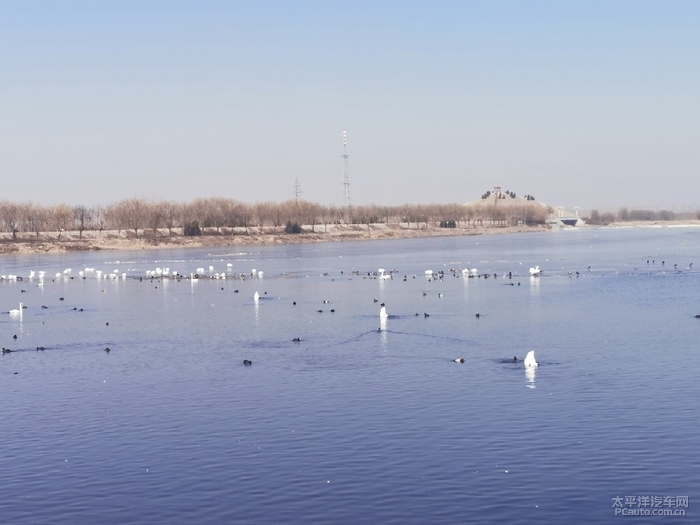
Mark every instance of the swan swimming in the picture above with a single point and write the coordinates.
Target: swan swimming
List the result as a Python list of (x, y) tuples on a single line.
[(382, 313), (15, 311), (256, 297), (535, 271), (529, 360)]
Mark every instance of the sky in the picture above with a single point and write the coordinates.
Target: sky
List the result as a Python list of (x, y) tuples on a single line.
[(590, 104)]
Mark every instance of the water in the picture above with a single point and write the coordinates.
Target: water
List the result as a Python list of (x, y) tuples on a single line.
[(355, 424)]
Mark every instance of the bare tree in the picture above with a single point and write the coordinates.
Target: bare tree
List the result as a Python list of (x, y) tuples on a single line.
[(170, 214), (219, 212), (136, 213), (277, 215), (99, 216), (81, 215), (36, 218), (60, 218), (156, 213), (116, 217), (11, 214)]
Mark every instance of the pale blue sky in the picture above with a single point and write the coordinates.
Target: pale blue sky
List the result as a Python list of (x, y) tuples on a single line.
[(592, 104)]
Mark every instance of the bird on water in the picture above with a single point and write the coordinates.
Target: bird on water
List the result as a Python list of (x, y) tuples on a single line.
[(530, 361)]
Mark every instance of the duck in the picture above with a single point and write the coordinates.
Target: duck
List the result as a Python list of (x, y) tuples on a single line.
[(459, 360), (247, 362)]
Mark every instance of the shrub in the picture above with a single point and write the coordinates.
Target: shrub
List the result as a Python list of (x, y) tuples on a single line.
[(292, 227), (192, 229)]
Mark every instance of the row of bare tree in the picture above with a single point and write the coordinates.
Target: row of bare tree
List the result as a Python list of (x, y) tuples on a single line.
[(218, 214), (624, 215)]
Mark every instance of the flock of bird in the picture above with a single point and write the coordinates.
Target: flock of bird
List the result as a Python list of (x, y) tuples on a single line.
[(160, 273)]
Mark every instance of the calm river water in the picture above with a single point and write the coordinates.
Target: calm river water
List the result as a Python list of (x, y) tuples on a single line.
[(361, 421)]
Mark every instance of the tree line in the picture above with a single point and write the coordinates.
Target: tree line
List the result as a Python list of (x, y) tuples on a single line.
[(625, 215), (228, 216)]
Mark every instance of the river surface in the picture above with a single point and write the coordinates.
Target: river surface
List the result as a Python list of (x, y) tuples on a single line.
[(363, 421)]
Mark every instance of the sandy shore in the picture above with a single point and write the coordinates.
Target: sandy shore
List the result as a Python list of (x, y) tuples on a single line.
[(127, 240), (52, 242)]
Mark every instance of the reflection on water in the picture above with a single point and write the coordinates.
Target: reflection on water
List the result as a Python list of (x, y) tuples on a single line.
[(530, 373), (534, 285), (383, 337)]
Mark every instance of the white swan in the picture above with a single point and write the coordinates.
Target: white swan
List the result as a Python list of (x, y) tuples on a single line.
[(382, 313), (428, 272), (530, 360), (15, 311), (535, 271), (475, 271), (256, 297), (383, 275)]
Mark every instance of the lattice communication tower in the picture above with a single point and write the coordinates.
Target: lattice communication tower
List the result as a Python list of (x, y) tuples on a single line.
[(297, 190), (346, 181)]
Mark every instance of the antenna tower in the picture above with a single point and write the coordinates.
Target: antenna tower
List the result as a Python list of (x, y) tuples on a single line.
[(346, 182), (297, 190)]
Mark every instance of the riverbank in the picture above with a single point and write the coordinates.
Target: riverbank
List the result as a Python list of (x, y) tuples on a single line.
[(53, 242)]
